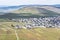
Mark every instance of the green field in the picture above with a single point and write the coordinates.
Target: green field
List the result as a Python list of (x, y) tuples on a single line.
[(9, 33)]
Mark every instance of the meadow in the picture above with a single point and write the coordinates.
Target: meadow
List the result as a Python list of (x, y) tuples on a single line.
[(7, 32)]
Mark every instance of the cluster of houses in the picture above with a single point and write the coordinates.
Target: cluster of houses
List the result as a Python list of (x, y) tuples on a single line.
[(45, 22)]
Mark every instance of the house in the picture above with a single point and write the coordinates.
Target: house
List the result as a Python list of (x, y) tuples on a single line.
[(17, 26)]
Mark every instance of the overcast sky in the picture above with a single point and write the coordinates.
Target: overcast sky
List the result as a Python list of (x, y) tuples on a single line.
[(27, 2)]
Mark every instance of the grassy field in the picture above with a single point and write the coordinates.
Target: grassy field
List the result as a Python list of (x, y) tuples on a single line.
[(9, 33)]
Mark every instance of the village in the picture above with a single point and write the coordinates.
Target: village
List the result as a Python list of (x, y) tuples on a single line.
[(45, 22)]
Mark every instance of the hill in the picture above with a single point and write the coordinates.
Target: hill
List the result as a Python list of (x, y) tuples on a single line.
[(9, 33), (31, 11), (38, 10)]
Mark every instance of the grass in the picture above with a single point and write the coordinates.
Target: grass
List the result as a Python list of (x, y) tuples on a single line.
[(28, 34)]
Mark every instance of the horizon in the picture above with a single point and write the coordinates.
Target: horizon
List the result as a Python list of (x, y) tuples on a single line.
[(28, 2)]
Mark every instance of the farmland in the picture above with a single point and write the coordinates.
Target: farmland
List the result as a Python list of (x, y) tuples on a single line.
[(10, 33)]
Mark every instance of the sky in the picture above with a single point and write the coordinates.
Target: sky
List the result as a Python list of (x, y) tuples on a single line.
[(29, 2)]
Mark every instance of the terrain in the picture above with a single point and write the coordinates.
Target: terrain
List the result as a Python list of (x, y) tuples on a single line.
[(31, 11), (9, 33)]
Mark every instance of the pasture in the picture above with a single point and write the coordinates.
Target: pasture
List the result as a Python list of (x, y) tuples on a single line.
[(9, 33)]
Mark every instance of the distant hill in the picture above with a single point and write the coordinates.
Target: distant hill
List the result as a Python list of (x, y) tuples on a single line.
[(31, 11), (38, 10), (56, 5)]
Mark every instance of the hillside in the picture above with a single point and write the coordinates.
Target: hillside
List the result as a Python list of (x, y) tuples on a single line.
[(54, 9), (31, 11), (8, 33), (39, 10)]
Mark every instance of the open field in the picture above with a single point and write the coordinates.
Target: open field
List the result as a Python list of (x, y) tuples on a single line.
[(9, 33)]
